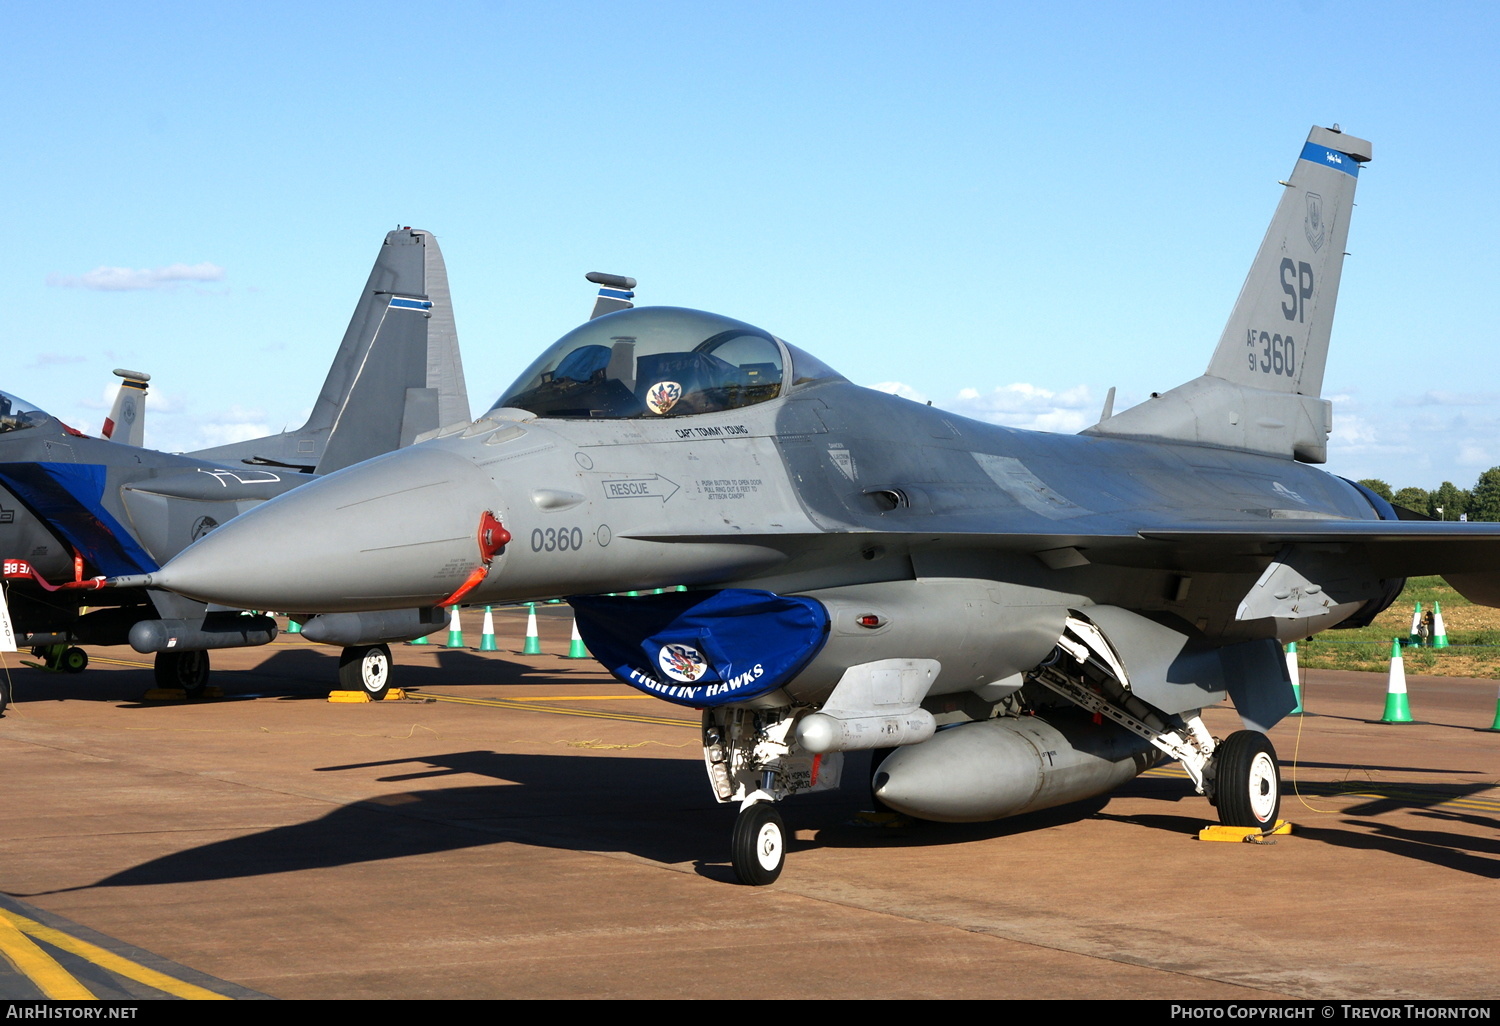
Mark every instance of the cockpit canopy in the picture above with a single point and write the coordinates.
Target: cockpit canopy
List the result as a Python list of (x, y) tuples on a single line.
[(659, 361), (17, 414)]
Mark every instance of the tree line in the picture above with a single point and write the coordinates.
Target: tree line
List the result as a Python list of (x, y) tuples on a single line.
[(1447, 501)]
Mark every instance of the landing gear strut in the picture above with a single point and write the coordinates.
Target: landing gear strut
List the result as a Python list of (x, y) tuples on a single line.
[(1239, 774), (753, 758)]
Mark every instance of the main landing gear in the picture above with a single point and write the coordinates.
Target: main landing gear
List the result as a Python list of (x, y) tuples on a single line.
[(366, 668), (1239, 775), (187, 671)]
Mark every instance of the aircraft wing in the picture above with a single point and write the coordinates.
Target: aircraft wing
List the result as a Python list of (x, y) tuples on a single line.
[(1399, 548), (1395, 548)]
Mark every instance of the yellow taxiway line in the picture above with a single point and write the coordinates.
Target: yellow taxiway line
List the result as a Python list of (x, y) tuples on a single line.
[(55, 982), (14, 925)]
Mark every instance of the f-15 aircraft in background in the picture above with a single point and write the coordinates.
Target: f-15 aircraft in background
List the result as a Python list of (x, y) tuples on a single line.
[(1012, 619), (75, 509)]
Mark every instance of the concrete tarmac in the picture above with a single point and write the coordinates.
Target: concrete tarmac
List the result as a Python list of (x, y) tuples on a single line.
[(525, 827)]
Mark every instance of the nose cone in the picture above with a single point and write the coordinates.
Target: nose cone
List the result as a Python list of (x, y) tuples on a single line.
[(396, 531)]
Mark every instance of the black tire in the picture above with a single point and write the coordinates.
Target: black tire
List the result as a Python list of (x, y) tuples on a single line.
[(185, 670), (1247, 780), (759, 845), (4, 696), (74, 660), (366, 668)]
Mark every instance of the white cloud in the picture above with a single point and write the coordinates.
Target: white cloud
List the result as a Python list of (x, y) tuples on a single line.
[(1442, 398), (1023, 405), (125, 279), (237, 424), (1019, 405), (54, 360), (903, 390), (1411, 442)]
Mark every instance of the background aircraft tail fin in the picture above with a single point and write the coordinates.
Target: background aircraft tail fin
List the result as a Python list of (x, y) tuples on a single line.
[(614, 293), (126, 422), (1263, 386), (397, 372)]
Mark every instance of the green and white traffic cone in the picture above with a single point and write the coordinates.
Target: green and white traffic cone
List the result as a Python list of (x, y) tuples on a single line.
[(1439, 631), (455, 629), (575, 647), (1496, 725), (533, 644), (487, 636), (292, 626), (1414, 638), (418, 641), (1293, 672), (1397, 708)]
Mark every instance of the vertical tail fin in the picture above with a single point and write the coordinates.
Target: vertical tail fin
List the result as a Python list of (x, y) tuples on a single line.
[(1262, 390), (1277, 335), (126, 422), (397, 372)]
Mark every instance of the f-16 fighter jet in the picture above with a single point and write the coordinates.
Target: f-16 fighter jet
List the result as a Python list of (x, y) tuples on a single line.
[(74, 509), (1012, 619)]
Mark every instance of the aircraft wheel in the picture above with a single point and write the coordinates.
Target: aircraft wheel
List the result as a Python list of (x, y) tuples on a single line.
[(1247, 780), (759, 845), (74, 660), (185, 670), (4, 696), (366, 668)]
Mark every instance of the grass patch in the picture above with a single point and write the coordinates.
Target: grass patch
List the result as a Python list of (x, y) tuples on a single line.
[(1473, 637)]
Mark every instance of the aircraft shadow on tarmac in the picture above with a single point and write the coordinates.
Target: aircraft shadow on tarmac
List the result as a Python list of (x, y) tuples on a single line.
[(301, 672), (1464, 853), (585, 804), (460, 667)]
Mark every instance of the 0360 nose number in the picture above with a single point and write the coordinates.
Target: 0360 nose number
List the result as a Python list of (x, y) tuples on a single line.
[(556, 539)]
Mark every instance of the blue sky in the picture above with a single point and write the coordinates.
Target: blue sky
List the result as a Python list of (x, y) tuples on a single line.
[(1006, 209)]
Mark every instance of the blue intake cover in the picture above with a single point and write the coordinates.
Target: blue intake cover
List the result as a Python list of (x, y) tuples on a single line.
[(702, 648)]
